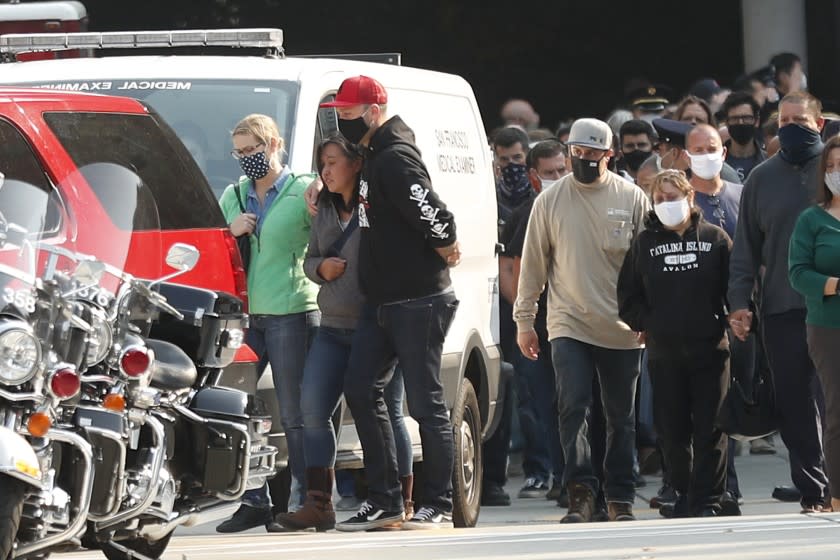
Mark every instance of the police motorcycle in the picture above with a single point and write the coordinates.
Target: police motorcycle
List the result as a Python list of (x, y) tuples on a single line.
[(46, 472), (185, 447)]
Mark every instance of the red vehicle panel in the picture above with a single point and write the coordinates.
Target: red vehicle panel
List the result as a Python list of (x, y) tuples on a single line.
[(219, 267)]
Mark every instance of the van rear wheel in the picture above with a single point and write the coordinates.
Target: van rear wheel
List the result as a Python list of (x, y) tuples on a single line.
[(467, 474)]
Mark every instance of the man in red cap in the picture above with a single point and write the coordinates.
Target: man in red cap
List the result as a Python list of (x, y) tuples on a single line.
[(406, 247)]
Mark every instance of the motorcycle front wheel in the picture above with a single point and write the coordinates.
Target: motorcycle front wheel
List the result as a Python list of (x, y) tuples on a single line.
[(11, 508), (150, 549)]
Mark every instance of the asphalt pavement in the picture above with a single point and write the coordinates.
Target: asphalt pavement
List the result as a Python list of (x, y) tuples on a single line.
[(529, 530)]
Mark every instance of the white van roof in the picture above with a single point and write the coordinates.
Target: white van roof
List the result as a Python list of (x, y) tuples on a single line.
[(188, 67), (38, 11)]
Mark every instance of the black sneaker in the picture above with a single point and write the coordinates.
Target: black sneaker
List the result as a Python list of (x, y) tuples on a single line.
[(556, 492), (534, 488), (246, 517), (729, 505), (666, 495), (429, 517), (494, 495), (369, 517)]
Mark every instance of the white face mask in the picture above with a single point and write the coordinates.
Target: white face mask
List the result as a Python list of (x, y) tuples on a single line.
[(832, 181), (706, 166), (672, 213), (547, 183)]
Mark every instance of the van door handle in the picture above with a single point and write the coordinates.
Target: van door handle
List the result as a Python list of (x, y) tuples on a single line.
[(500, 248)]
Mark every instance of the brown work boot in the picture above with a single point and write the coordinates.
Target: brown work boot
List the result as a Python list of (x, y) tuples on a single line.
[(407, 486), (581, 504), (317, 512), (620, 511)]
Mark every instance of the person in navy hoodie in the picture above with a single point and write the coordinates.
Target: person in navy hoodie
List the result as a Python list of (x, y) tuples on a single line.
[(672, 291)]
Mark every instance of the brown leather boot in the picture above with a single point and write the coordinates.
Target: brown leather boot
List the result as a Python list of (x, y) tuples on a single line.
[(317, 512), (581, 504)]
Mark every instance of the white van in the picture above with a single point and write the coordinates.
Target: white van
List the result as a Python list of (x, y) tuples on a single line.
[(203, 97)]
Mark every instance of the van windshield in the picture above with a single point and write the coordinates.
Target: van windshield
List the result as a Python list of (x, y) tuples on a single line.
[(204, 112)]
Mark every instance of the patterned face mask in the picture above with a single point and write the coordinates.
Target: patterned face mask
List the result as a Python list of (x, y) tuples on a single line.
[(255, 166), (515, 183)]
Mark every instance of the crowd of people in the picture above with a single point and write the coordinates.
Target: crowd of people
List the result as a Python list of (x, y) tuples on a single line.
[(650, 258), (689, 244)]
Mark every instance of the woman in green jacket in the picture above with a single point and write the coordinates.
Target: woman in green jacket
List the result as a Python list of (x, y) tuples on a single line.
[(814, 268), (281, 299)]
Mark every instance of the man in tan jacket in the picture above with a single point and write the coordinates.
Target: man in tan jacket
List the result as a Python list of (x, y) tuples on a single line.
[(578, 234)]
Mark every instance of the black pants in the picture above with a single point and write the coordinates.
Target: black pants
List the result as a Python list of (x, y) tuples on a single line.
[(688, 389), (412, 332), (797, 395), (824, 346)]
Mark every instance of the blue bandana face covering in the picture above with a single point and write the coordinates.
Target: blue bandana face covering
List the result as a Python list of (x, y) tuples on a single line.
[(515, 183), (255, 166)]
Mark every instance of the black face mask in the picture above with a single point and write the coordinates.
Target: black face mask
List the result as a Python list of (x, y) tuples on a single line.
[(742, 134), (635, 159), (586, 171), (353, 129)]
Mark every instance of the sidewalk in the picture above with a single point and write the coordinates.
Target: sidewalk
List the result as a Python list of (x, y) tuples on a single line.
[(757, 475)]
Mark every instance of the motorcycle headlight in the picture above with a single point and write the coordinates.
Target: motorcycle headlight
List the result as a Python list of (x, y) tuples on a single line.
[(20, 353), (99, 340)]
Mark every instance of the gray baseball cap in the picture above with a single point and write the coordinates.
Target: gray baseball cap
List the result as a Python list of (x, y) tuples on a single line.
[(591, 133)]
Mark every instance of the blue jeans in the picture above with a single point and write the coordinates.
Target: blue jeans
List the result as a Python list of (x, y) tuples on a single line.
[(413, 333), (537, 407), (576, 363), (283, 341), (323, 385), (394, 397)]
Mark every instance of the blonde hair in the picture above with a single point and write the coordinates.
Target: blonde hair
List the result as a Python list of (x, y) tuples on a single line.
[(673, 176), (262, 127)]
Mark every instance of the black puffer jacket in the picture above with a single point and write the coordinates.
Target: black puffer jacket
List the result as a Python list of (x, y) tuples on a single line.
[(673, 287)]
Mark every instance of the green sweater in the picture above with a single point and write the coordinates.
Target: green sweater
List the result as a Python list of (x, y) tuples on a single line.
[(277, 284), (814, 258)]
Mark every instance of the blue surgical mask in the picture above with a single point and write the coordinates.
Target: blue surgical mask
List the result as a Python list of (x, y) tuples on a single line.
[(255, 166)]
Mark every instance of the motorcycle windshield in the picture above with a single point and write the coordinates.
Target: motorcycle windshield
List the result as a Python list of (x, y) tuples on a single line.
[(35, 242), (120, 223)]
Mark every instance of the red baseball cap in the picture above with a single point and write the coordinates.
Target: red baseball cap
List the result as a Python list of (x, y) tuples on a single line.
[(359, 90)]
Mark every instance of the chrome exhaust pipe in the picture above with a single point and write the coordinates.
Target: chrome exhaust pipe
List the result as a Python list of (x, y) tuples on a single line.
[(157, 464), (190, 518)]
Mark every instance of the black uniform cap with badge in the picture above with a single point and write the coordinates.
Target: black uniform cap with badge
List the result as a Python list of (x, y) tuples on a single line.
[(672, 132), (650, 98)]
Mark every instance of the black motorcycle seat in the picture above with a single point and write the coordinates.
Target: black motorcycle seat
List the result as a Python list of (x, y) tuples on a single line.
[(171, 369)]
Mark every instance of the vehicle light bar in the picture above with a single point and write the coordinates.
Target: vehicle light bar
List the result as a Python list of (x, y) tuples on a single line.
[(268, 38)]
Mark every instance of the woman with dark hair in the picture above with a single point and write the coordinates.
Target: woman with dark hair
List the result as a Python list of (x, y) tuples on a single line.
[(694, 110), (331, 261), (672, 290), (814, 270)]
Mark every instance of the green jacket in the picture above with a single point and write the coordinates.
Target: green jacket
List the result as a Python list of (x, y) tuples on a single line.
[(277, 284)]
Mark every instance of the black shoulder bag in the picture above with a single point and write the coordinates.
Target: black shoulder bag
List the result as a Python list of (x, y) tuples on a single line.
[(335, 249), (244, 240), (749, 413)]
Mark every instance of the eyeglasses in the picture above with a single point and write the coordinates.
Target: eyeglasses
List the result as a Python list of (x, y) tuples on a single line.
[(246, 151), (741, 119), (718, 213)]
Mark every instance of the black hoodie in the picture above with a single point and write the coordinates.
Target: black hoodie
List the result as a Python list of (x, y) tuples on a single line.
[(673, 287), (401, 219)]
